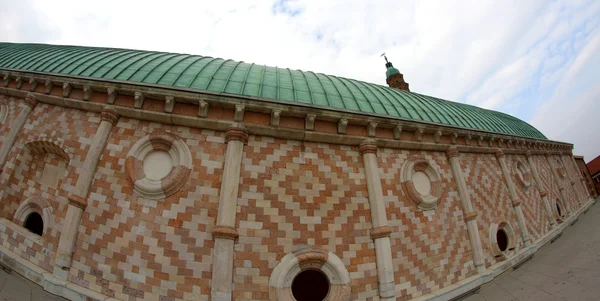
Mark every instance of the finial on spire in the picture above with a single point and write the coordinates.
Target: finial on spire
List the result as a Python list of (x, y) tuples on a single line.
[(385, 57)]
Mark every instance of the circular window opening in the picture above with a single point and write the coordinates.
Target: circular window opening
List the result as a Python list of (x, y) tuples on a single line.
[(502, 240), (34, 223), (157, 165), (310, 285)]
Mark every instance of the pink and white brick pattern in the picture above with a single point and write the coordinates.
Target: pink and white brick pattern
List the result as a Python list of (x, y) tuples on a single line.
[(129, 247), (535, 214), (294, 193), (430, 249), (490, 198)]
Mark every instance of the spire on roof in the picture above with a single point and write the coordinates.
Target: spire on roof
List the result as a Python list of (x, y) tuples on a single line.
[(394, 78)]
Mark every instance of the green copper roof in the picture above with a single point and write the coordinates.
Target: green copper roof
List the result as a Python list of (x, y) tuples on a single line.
[(219, 75)]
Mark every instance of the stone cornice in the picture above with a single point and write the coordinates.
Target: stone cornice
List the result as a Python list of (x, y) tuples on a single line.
[(388, 132)]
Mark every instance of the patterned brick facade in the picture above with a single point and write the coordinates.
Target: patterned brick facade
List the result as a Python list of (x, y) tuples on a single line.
[(430, 249), (292, 194), (490, 197)]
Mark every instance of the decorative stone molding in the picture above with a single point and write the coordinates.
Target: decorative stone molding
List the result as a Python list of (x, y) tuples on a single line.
[(522, 174), (158, 165), (341, 126), (48, 86), (138, 100), (309, 122), (397, 132), (33, 84), (495, 227), (499, 154), (236, 133), (453, 138), (34, 204), (45, 144), (367, 146), (468, 140), (169, 104), (491, 142), (238, 116), (5, 80), (30, 100), (419, 134), (112, 95), (437, 135), (275, 117), (225, 232), (66, 89), (543, 193), (306, 258), (470, 216), (77, 201), (87, 93), (452, 152), (421, 182), (3, 112), (110, 115), (371, 129), (480, 141), (202, 109), (379, 232), (19, 81)]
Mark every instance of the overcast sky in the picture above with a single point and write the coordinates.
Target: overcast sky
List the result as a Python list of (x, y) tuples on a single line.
[(536, 60)]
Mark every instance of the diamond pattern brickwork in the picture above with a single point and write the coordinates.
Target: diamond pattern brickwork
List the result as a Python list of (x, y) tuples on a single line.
[(430, 249), (22, 172), (294, 193), (133, 248), (531, 201), (490, 198)]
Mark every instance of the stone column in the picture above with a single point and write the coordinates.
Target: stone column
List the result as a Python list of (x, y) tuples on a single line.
[(467, 207), (225, 233), (15, 128), (78, 198), (381, 231), (581, 178), (543, 193), (516, 204), (561, 187)]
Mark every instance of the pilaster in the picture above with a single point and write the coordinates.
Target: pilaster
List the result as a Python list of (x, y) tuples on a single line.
[(15, 128), (516, 204), (381, 231), (469, 214), (224, 232), (581, 179), (561, 186), (543, 193), (78, 198)]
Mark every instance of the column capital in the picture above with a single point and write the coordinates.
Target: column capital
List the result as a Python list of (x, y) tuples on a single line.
[(109, 114), (528, 154), (225, 232), (236, 132), (516, 203), (499, 153), (77, 201), (367, 147), (543, 193), (452, 152), (31, 101)]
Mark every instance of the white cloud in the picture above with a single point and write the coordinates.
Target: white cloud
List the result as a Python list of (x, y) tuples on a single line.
[(506, 55)]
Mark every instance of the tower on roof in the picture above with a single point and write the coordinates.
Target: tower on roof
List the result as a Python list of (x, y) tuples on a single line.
[(394, 78)]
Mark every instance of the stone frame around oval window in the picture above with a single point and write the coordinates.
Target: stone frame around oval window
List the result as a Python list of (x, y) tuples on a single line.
[(523, 174), (309, 258), (409, 168), (505, 226), (181, 159)]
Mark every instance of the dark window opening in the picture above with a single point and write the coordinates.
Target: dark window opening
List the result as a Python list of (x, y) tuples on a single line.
[(310, 285), (34, 223), (558, 209), (502, 240)]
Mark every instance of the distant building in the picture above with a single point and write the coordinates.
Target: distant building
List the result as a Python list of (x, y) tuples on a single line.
[(594, 172), (141, 175)]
